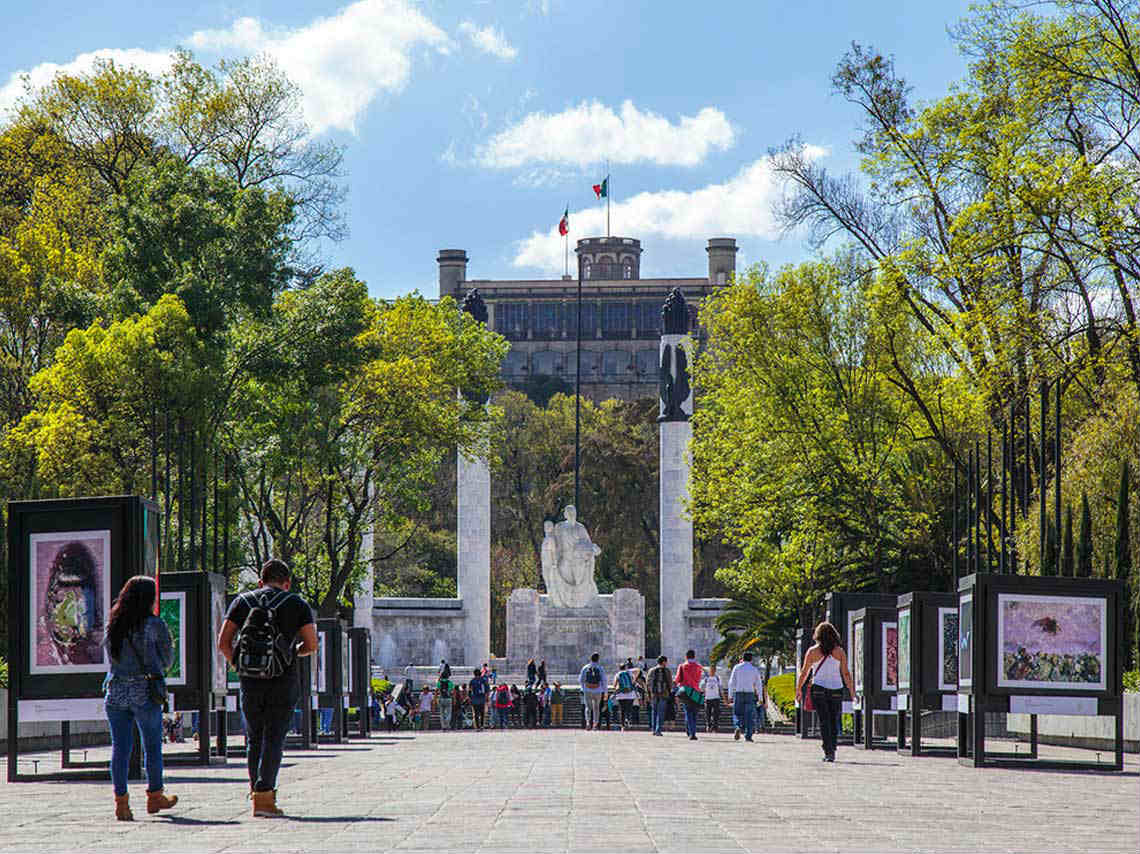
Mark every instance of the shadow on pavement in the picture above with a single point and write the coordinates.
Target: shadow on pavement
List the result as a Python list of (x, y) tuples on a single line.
[(333, 819), (194, 822)]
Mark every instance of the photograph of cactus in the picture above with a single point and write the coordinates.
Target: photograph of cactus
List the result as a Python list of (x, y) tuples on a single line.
[(70, 598)]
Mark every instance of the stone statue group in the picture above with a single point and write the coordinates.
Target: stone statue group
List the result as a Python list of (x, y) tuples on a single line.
[(568, 562)]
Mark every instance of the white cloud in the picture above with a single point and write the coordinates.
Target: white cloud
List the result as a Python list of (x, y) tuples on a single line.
[(592, 132), (155, 62), (342, 62), (489, 40), (740, 206)]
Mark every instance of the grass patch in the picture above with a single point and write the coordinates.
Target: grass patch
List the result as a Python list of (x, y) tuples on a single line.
[(782, 691)]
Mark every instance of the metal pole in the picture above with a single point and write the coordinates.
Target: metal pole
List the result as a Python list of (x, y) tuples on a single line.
[(1004, 502), (578, 395), (1027, 475), (1057, 470), (989, 500), (1041, 478), (970, 514), (954, 526), (977, 505)]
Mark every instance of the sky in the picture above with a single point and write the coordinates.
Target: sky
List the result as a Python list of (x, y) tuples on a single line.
[(474, 125)]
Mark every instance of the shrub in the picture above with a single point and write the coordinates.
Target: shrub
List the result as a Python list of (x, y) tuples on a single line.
[(782, 690), (1132, 681)]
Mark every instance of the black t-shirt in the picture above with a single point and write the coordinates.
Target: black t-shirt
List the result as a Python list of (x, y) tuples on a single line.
[(292, 614)]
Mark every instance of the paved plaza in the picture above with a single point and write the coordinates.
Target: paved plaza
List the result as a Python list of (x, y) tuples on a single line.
[(568, 790)]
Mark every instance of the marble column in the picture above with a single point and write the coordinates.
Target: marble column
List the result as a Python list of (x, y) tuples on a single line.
[(363, 599), (473, 543), (676, 546), (474, 557)]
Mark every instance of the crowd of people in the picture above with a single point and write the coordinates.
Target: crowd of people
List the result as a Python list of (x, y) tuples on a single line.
[(662, 695), (265, 632)]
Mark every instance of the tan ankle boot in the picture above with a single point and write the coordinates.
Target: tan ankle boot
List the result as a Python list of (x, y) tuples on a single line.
[(159, 800), (265, 805), (123, 808)]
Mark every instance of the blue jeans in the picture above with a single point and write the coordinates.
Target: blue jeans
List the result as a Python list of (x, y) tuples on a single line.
[(501, 714), (657, 714), (690, 719), (326, 720), (744, 712), (148, 718)]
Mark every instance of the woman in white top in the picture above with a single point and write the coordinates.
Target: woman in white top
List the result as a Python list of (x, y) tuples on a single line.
[(826, 664)]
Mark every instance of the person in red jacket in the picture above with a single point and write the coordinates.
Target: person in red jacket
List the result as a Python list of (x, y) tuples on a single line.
[(503, 703), (689, 675)]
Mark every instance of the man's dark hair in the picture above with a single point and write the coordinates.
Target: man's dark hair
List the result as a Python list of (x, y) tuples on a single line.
[(690, 653), (747, 656), (275, 571), (594, 657), (661, 659)]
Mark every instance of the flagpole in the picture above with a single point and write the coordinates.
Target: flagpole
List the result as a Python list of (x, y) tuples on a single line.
[(578, 391), (566, 248), (609, 193)]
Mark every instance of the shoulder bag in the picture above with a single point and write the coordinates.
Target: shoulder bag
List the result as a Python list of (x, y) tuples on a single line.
[(155, 682)]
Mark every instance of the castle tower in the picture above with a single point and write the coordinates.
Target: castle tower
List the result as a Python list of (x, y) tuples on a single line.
[(722, 260), (452, 272)]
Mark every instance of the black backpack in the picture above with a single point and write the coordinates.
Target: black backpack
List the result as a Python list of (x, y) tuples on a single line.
[(262, 652), (593, 676)]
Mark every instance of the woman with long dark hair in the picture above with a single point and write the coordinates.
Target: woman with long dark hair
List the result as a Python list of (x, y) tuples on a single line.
[(826, 663), (141, 651)]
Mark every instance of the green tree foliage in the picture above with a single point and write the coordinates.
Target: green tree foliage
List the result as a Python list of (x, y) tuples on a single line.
[(807, 457)]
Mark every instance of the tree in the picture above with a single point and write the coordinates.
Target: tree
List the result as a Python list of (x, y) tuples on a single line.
[(1123, 554), (806, 456), (1085, 546)]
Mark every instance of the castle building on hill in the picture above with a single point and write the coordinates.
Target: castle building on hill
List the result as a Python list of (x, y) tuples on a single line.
[(621, 315)]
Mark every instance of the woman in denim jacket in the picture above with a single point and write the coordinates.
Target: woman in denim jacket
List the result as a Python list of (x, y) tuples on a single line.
[(139, 643)]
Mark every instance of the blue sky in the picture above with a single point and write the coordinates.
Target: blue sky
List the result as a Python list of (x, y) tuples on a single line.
[(472, 125)]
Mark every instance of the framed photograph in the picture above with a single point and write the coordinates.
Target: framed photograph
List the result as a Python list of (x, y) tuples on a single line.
[(1056, 642), (322, 663), (947, 649), (966, 641), (69, 603), (346, 664), (890, 657), (172, 611), (904, 650), (857, 655), (218, 680)]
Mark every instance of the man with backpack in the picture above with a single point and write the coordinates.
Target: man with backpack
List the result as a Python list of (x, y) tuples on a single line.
[(592, 681), (265, 631), (502, 704), (625, 692), (477, 690), (659, 684)]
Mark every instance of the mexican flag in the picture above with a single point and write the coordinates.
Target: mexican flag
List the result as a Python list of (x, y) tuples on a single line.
[(564, 223), (602, 190)]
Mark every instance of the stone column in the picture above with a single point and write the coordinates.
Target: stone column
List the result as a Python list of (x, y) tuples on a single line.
[(676, 405), (473, 543), (362, 601)]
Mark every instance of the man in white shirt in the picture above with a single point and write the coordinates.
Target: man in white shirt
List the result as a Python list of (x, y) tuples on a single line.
[(711, 688), (744, 687)]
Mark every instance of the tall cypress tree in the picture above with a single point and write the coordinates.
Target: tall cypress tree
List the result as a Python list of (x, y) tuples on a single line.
[(1068, 558), (1049, 566), (1084, 544)]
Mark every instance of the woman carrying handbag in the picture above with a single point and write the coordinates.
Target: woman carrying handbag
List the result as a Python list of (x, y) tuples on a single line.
[(135, 690), (825, 667)]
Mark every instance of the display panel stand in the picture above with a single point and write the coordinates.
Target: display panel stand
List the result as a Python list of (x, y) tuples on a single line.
[(838, 606), (68, 557), (807, 722), (333, 689), (1032, 645), (360, 670), (928, 671), (874, 698)]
